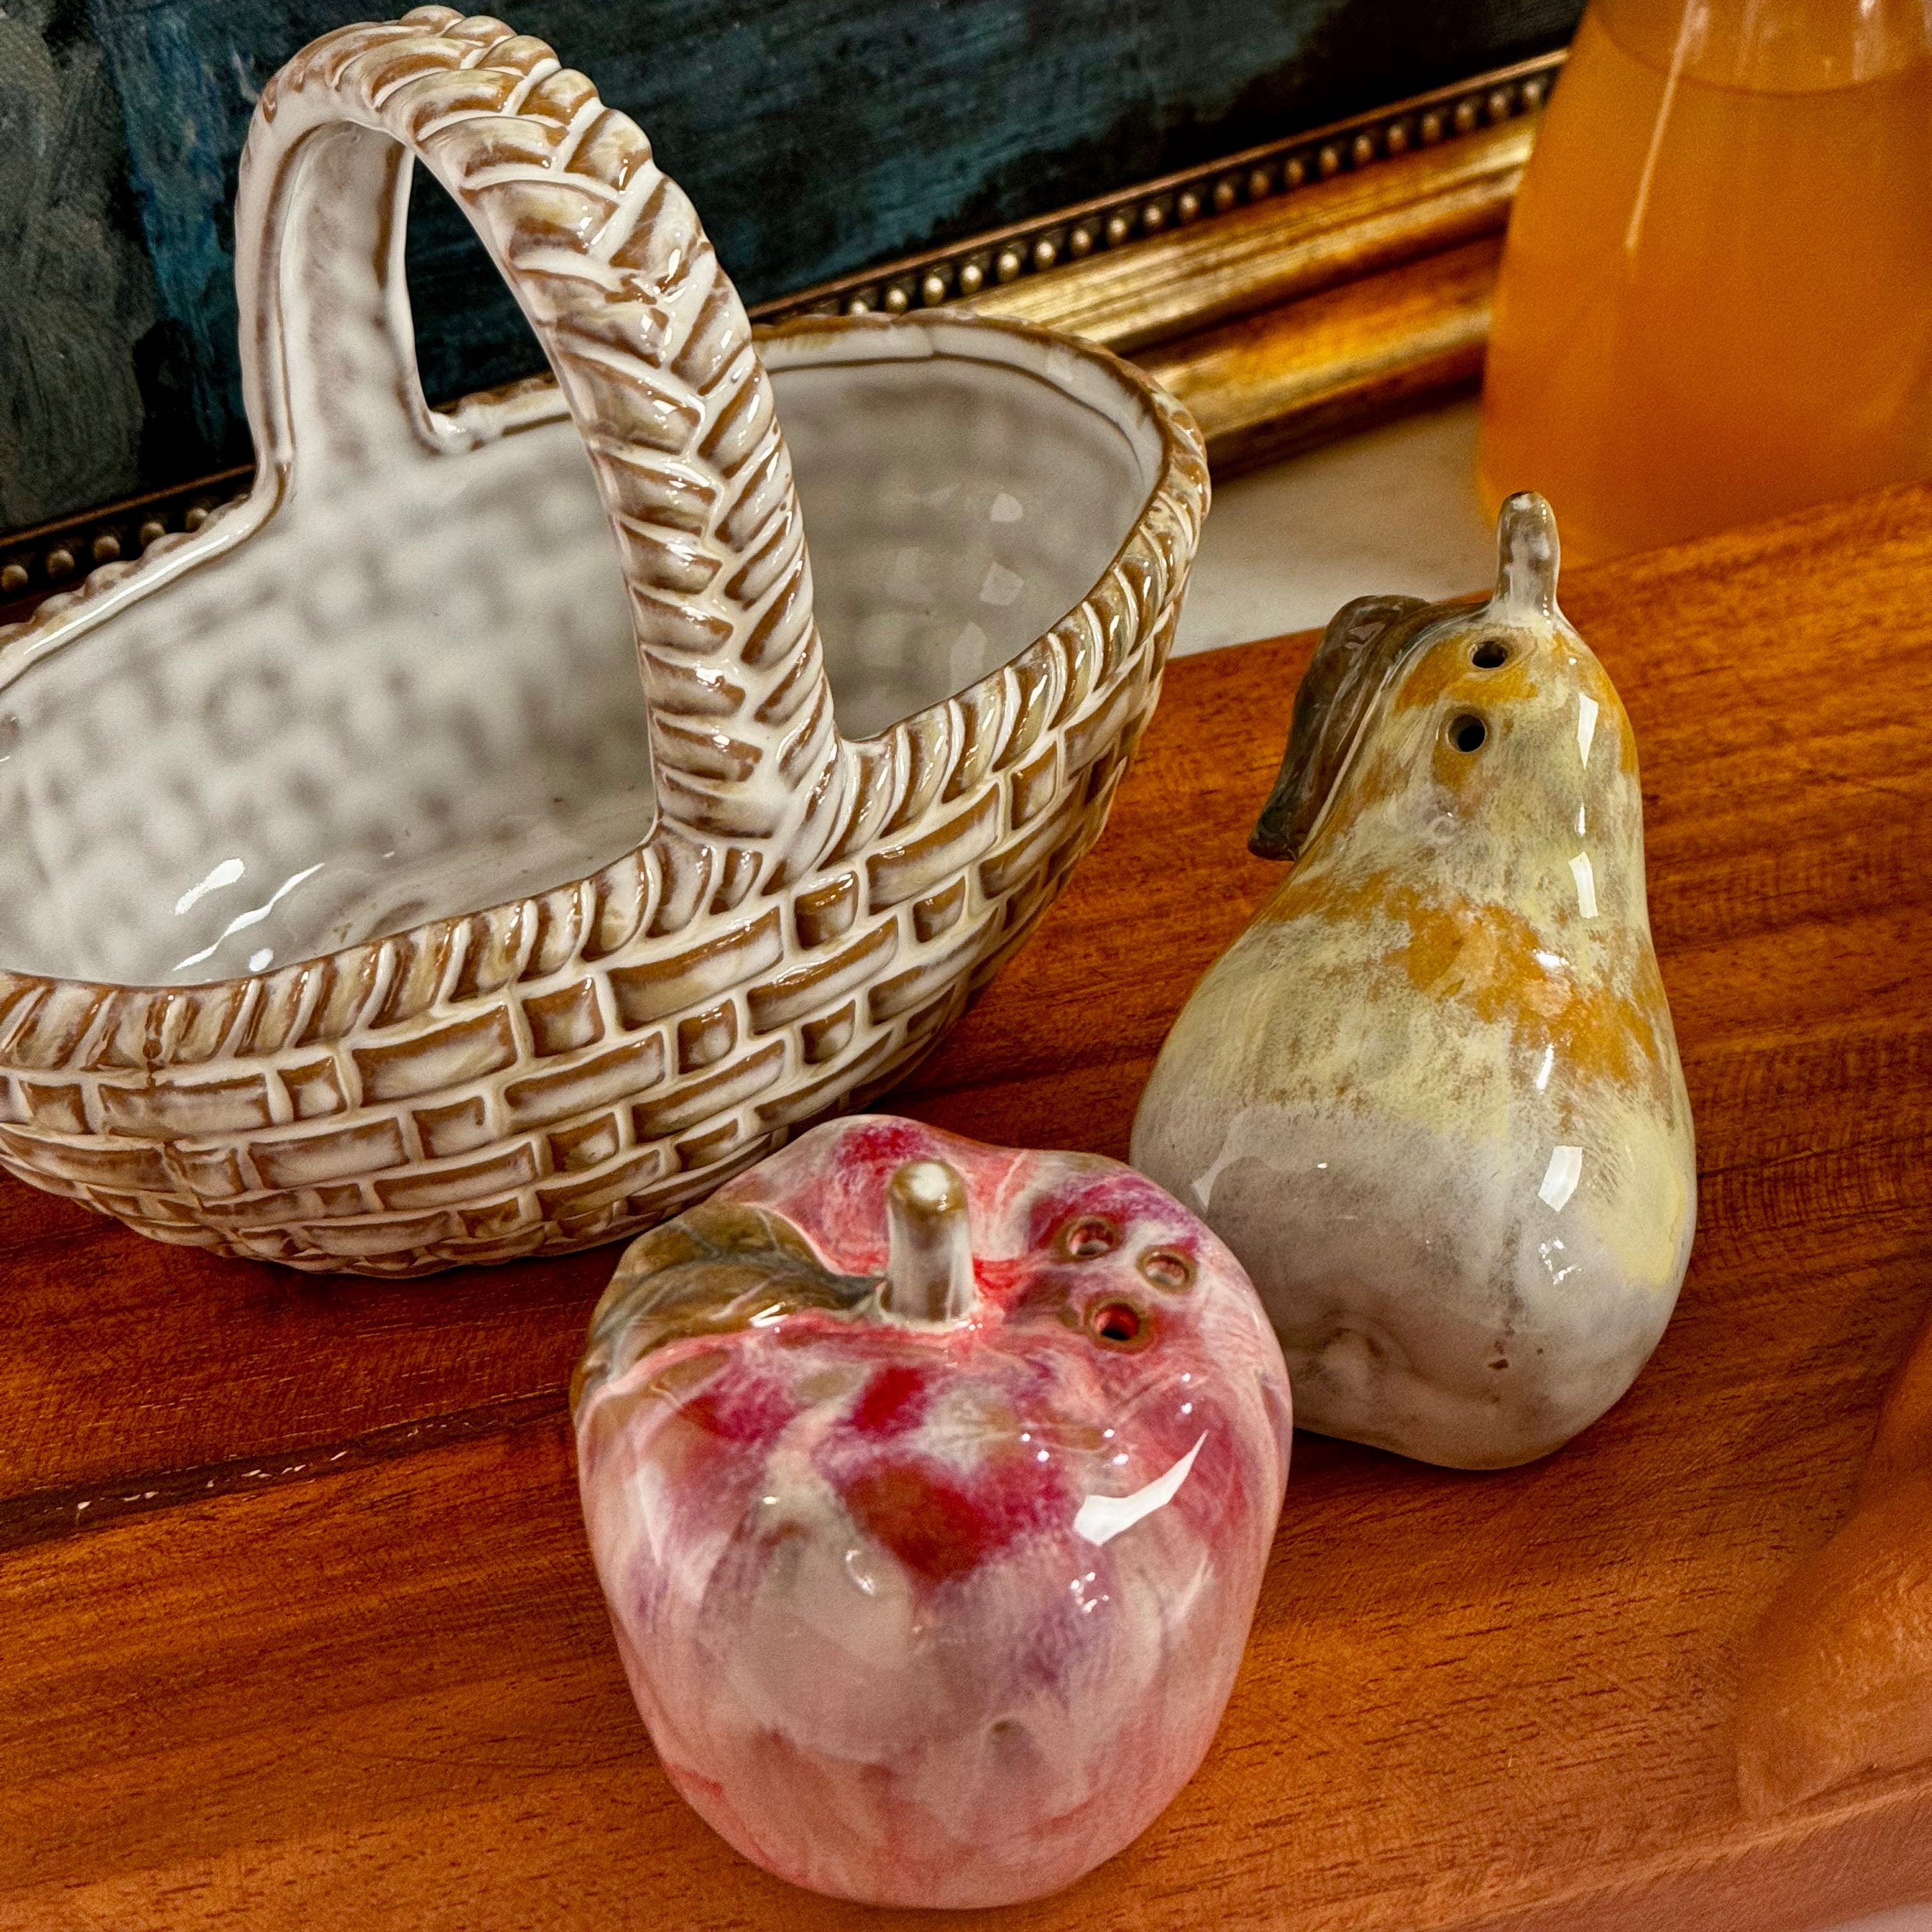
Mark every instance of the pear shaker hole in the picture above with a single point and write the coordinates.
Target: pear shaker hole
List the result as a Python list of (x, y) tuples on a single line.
[(1492, 654), (1467, 732)]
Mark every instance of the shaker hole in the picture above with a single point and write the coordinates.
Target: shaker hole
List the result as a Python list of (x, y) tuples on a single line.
[(1467, 733), (1089, 1237), (1168, 1268), (1491, 653)]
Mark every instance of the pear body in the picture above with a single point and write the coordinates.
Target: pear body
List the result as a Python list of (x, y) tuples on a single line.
[(1431, 1097)]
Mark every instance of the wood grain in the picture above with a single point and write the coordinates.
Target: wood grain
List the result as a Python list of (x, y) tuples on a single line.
[(300, 1630)]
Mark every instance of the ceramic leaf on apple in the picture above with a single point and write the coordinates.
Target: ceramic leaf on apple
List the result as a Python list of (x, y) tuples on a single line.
[(931, 1485)]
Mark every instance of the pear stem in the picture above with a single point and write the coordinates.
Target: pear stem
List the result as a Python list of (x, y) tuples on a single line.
[(1528, 557), (929, 1245)]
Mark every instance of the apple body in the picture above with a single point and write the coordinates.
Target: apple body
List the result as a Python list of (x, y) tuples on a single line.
[(930, 1609)]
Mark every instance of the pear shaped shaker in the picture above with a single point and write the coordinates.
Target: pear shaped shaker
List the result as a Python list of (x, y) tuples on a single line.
[(1431, 1097)]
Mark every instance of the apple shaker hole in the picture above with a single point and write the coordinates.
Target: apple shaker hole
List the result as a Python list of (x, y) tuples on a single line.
[(1089, 1237), (1467, 732), (1492, 654), (1117, 1322), (1168, 1268)]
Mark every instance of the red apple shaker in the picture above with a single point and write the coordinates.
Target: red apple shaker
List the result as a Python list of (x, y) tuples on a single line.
[(931, 1486)]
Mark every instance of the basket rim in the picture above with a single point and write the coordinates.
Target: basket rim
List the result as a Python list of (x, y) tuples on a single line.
[(1180, 480)]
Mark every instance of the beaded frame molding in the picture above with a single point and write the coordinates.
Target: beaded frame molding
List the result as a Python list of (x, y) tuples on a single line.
[(1286, 294)]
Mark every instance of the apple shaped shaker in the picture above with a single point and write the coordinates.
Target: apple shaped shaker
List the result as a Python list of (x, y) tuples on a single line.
[(931, 1485)]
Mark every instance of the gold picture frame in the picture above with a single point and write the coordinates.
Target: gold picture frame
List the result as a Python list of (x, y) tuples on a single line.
[(1287, 294)]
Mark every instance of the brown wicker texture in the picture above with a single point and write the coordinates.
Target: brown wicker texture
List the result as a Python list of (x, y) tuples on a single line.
[(806, 917)]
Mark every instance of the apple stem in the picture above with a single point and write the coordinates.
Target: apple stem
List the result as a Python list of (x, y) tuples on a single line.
[(929, 1246)]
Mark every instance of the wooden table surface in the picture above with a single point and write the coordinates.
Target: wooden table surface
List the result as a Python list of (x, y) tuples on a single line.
[(297, 1627)]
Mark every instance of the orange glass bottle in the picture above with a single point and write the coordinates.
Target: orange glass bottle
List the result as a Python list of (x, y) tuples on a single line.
[(1716, 301)]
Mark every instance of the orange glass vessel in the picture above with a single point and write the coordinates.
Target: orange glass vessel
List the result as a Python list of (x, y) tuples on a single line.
[(1716, 301)]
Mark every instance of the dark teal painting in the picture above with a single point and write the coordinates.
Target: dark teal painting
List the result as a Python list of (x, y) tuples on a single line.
[(815, 136)]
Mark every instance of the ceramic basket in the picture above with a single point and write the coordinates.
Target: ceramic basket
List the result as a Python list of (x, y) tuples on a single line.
[(258, 781)]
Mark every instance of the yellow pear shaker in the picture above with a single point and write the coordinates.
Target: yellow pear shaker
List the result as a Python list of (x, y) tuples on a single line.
[(1431, 1097)]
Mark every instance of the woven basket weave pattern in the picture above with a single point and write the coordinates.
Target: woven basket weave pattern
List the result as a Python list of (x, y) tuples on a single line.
[(807, 915)]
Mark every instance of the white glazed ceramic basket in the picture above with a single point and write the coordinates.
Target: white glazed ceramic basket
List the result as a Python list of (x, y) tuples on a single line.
[(259, 781)]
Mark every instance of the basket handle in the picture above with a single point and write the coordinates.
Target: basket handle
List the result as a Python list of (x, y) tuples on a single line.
[(653, 351)]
